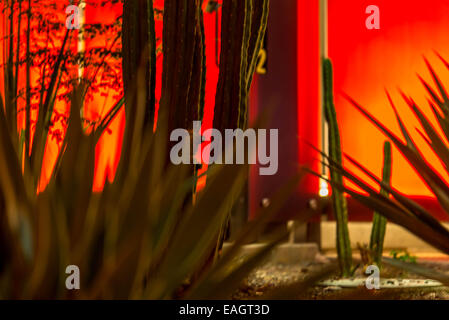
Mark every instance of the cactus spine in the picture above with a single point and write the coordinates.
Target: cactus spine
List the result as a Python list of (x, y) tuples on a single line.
[(379, 221), (338, 199)]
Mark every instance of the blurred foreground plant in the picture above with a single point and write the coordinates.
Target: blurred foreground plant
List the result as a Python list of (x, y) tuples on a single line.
[(141, 237), (138, 238)]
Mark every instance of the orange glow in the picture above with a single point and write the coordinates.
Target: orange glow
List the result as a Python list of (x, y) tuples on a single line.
[(109, 147), (367, 61)]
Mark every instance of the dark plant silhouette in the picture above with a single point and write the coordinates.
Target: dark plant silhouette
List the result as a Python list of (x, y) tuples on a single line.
[(399, 208)]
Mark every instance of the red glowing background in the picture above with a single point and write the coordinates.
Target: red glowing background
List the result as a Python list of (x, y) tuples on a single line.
[(109, 146), (366, 62)]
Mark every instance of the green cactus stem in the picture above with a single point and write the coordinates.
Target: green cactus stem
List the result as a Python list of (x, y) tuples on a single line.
[(379, 221), (338, 199)]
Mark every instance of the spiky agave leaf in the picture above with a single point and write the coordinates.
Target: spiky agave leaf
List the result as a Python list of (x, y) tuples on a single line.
[(399, 208), (426, 171), (139, 238), (227, 273), (126, 246)]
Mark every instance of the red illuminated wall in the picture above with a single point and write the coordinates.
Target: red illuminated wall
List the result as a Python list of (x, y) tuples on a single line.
[(39, 40), (109, 146), (365, 62), (368, 61)]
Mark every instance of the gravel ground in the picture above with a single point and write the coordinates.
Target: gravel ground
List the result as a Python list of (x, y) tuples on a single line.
[(271, 276)]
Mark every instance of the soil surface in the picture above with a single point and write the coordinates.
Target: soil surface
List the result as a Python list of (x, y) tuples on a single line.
[(269, 277)]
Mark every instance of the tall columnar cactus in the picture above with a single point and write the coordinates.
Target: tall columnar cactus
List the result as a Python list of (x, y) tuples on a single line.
[(379, 221), (139, 51), (243, 28), (338, 199), (139, 73), (184, 66), (183, 72)]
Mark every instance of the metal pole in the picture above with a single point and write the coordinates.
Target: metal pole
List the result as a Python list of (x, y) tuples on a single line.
[(324, 188)]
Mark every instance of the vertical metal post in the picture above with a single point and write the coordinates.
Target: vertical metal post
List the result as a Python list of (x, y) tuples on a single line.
[(324, 188)]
